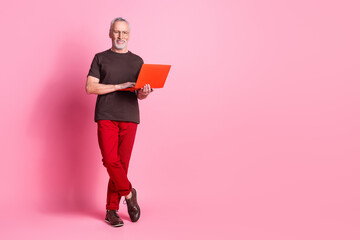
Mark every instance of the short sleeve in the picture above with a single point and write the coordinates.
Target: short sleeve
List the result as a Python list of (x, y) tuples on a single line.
[(95, 68)]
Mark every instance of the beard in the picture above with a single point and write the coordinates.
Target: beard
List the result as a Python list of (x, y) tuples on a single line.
[(120, 44)]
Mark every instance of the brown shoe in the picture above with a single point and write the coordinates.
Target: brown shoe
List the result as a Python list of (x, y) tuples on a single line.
[(113, 218), (133, 206)]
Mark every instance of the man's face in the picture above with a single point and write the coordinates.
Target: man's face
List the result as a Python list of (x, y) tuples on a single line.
[(119, 35)]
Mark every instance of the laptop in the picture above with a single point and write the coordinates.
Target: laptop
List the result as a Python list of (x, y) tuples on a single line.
[(153, 74)]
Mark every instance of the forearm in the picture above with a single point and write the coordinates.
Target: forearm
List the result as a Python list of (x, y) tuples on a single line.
[(99, 88)]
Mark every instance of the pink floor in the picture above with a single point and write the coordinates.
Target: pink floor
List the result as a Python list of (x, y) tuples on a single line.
[(181, 222), (280, 217)]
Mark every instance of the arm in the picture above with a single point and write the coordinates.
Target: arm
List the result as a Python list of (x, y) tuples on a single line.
[(93, 86), (144, 92)]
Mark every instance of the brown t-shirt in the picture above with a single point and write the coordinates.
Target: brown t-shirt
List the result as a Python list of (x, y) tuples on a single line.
[(114, 68)]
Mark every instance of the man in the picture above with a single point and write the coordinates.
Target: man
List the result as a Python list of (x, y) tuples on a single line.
[(117, 116)]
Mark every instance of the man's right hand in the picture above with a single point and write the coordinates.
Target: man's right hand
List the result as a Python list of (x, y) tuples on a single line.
[(124, 85)]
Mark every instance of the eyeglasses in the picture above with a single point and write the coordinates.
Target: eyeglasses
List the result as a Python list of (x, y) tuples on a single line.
[(123, 32)]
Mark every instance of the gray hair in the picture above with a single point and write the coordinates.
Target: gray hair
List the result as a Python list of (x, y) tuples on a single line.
[(120, 19)]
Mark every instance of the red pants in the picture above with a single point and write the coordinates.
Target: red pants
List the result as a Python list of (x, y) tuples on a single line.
[(116, 140)]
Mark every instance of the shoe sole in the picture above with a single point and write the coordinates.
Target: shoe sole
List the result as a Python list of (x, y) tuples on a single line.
[(117, 225)]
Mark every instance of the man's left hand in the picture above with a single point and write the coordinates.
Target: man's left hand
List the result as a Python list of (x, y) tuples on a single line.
[(145, 91)]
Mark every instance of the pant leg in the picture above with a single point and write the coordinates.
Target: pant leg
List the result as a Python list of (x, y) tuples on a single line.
[(116, 140), (127, 135)]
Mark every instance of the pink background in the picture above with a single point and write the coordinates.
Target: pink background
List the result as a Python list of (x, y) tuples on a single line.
[(255, 135)]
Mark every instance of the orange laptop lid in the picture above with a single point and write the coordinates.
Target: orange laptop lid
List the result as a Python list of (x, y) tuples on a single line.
[(153, 74)]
